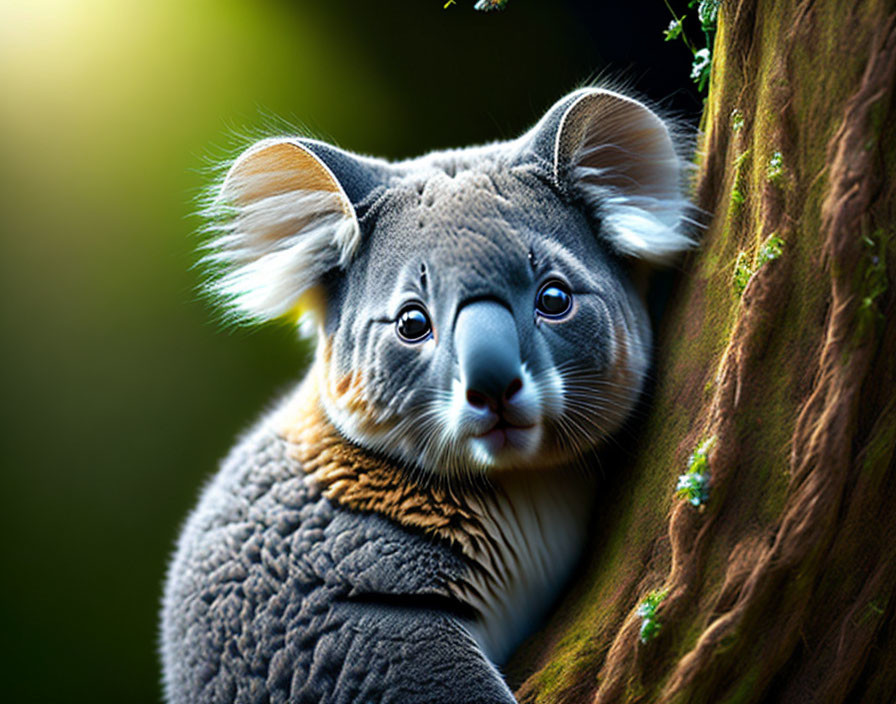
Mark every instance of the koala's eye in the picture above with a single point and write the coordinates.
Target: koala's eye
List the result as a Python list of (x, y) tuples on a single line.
[(413, 324), (554, 300)]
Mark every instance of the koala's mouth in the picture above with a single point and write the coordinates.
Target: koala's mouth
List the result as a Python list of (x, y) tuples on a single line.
[(504, 426), (504, 435)]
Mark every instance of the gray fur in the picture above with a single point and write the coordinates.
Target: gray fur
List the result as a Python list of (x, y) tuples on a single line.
[(264, 601), (265, 597)]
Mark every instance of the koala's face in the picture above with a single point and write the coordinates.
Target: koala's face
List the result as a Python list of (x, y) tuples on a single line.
[(473, 311), (481, 326)]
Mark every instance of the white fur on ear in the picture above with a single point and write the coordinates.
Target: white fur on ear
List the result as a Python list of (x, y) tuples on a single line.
[(618, 157), (281, 220)]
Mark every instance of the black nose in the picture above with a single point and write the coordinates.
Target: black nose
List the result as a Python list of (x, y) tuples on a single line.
[(490, 398), (488, 354)]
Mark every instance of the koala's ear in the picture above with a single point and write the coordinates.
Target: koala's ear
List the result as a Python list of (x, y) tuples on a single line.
[(282, 219), (617, 157)]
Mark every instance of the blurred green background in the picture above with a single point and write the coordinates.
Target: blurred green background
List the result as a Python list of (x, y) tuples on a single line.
[(120, 391)]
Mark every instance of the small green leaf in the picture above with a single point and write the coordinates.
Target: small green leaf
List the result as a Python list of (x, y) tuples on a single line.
[(693, 485), (770, 249), (775, 169), (647, 611), (742, 273), (701, 68), (708, 12), (674, 29)]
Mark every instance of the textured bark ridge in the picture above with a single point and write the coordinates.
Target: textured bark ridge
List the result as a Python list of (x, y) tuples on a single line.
[(780, 348)]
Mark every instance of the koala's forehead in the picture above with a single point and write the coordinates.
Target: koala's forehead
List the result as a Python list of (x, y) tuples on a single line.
[(475, 220)]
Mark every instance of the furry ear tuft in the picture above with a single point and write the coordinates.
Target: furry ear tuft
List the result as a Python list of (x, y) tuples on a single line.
[(280, 221), (618, 157)]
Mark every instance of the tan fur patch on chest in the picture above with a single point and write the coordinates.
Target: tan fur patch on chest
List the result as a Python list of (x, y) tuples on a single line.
[(358, 480)]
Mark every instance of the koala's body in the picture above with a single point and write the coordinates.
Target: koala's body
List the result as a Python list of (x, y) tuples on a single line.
[(394, 528)]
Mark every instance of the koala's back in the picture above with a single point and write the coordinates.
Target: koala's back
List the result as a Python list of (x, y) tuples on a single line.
[(277, 594)]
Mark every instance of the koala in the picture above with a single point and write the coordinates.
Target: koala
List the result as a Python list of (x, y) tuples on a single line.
[(398, 523)]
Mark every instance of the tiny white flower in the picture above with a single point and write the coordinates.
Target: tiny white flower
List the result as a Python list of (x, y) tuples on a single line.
[(701, 63)]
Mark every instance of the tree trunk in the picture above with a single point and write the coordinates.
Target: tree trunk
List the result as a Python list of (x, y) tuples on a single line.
[(778, 349)]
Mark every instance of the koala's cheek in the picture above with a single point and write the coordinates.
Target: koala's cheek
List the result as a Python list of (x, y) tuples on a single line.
[(346, 397), (618, 388), (551, 392), (588, 399), (631, 360)]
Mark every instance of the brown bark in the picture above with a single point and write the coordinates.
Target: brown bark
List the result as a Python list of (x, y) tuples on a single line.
[(782, 589)]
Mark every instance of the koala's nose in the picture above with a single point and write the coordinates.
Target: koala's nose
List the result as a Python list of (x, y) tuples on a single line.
[(488, 354)]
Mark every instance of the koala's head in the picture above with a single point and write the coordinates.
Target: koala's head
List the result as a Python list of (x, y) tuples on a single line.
[(473, 309)]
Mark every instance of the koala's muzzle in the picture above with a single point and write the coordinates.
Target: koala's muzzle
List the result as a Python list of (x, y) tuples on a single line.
[(488, 353)]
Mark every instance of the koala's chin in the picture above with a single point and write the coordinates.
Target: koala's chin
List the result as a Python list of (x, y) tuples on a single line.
[(473, 320)]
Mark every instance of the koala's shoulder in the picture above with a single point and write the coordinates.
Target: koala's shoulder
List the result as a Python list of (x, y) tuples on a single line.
[(262, 509), (263, 558)]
